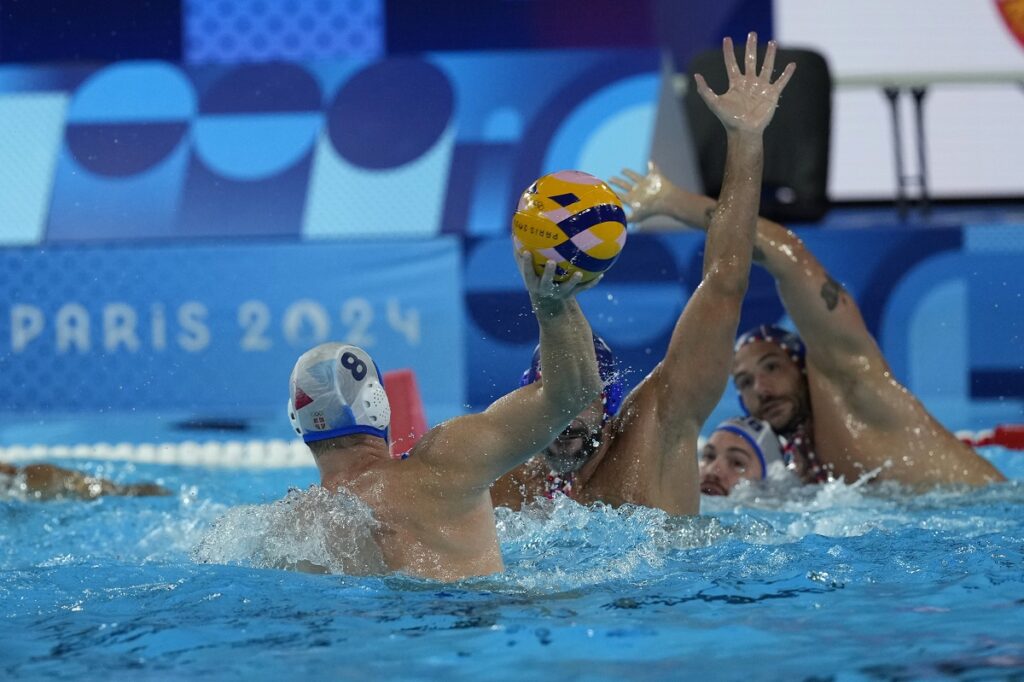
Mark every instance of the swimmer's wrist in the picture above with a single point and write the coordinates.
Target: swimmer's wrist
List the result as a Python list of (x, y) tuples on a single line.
[(547, 308), (744, 138)]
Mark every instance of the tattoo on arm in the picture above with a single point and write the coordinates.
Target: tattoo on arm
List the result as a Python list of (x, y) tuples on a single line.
[(758, 255), (830, 292)]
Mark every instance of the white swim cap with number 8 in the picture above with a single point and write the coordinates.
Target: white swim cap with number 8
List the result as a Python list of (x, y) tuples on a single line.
[(336, 390)]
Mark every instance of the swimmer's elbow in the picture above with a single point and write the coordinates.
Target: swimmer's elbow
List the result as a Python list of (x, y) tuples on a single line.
[(572, 402), (791, 259)]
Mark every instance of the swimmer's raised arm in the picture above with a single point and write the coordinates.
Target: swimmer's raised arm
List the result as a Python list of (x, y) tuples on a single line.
[(696, 367), (827, 318), (484, 446), (652, 194)]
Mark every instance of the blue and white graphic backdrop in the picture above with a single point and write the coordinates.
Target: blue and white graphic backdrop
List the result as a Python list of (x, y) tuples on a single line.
[(440, 143), (116, 179)]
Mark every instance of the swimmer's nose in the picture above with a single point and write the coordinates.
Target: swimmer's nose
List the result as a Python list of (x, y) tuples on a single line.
[(763, 393), (713, 469)]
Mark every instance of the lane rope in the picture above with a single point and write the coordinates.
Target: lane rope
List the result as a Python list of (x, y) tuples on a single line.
[(253, 454)]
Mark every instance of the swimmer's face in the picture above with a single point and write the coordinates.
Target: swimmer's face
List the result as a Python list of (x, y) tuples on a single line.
[(771, 385), (577, 443), (726, 460)]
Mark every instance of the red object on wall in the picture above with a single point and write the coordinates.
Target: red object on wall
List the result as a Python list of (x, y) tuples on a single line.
[(408, 423)]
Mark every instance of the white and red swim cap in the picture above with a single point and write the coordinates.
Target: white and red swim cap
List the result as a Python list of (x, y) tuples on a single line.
[(336, 390)]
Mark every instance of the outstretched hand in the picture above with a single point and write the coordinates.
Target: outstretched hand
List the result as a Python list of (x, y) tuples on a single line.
[(642, 194), (546, 294), (750, 101)]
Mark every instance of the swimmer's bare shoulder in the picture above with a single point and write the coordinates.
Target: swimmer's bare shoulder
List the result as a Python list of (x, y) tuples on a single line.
[(864, 418), (881, 428), (643, 464), (433, 521), (448, 463)]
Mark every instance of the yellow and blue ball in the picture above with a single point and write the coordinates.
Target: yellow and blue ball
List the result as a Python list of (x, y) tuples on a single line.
[(572, 218)]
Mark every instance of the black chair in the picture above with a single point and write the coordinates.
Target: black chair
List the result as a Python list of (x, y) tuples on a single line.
[(796, 143)]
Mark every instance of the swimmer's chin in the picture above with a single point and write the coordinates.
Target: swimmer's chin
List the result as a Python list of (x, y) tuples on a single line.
[(778, 413)]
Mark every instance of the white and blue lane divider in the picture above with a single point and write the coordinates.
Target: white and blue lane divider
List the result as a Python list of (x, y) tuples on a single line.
[(284, 454), (251, 454)]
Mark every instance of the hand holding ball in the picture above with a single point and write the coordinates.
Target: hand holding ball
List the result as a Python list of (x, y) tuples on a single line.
[(572, 218)]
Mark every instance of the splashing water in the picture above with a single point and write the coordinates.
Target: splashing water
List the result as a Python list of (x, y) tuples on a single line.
[(861, 581), (312, 529)]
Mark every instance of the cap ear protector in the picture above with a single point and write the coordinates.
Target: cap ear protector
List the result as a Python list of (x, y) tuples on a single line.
[(337, 390), (607, 366)]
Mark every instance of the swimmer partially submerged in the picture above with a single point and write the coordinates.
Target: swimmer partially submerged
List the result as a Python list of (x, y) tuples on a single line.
[(50, 482), (431, 505), (645, 452), (826, 390), (740, 448)]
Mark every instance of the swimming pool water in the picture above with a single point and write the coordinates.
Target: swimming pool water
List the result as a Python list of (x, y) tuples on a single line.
[(830, 582)]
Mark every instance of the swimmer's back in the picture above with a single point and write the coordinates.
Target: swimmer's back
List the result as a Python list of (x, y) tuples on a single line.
[(425, 528)]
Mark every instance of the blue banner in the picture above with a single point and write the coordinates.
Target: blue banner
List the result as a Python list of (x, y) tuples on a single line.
[(215, 329)]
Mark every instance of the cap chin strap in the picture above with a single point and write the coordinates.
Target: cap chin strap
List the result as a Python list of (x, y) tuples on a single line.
[(345, 431)]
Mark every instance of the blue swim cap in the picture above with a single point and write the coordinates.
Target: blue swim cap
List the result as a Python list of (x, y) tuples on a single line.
[(759, 435), (337, 390), (607, 366), (788, 341)]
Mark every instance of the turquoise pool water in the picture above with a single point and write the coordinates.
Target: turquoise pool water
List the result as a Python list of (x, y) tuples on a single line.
[(833, 582)]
